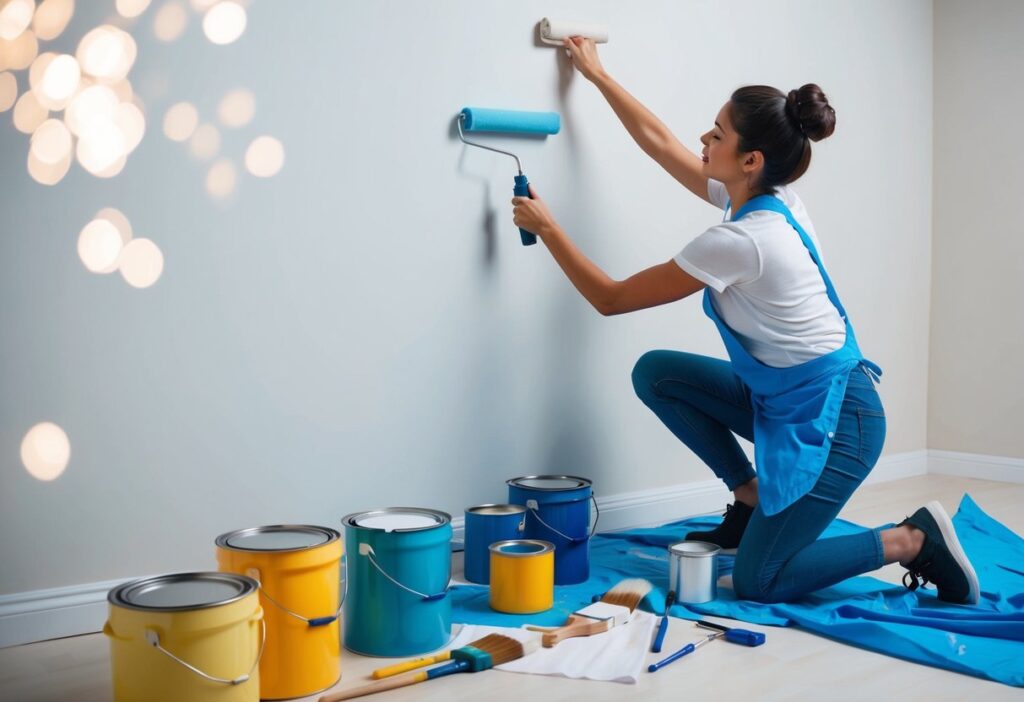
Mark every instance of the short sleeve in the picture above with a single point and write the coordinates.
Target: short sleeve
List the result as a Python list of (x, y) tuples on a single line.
[(717, 193), (722, 256)]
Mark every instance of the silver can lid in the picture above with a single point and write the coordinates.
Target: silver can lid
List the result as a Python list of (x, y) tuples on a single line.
[(401, 519), (693, 549), (182, 591), (549, 482), (521, 548), (496, 509), (277, 537)]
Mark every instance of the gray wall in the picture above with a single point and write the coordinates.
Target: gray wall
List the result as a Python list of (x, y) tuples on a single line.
[(365, 329), (975, 401)]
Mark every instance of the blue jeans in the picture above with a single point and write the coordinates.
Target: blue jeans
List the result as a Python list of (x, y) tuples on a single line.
[(780, 558)]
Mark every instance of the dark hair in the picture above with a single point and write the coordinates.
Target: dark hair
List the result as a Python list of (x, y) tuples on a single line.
[(782, 128)]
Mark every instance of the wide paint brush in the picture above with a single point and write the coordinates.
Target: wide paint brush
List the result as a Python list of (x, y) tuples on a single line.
[(614, 609), (491, 650)]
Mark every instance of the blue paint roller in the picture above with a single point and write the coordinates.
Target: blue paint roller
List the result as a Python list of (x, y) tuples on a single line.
[(477, 119)]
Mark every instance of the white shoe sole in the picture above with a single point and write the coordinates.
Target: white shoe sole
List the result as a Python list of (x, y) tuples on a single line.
[(953, 544)]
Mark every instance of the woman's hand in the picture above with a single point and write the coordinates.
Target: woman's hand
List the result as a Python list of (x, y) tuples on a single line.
[(532, 214), (583, 53)]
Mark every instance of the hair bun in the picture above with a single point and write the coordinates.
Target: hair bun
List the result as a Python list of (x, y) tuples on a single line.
[(809, 111)]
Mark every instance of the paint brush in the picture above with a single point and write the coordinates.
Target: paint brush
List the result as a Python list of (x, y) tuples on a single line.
[(406, 666), (491, 650), (614, 609)]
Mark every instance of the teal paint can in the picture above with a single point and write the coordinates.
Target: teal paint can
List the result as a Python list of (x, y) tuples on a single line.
[(398, 568)]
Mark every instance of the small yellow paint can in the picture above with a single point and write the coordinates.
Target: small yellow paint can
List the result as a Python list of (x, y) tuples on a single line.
[(186, 636), (298, 568), (522, 576)]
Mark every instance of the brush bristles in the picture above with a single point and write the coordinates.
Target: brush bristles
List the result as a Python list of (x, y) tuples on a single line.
[(503, 649), (628, 593)]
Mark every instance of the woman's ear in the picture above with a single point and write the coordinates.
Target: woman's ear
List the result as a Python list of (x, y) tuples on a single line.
[(753, 162)]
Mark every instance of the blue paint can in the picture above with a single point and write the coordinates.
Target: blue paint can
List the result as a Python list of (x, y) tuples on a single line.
[(485, 525), (398, 566), (558, 510)]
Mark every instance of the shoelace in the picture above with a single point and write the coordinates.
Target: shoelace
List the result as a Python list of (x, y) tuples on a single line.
[(917, 578)]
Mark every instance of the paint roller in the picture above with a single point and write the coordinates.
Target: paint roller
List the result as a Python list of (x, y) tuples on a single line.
[(477, 119), (554, 32)]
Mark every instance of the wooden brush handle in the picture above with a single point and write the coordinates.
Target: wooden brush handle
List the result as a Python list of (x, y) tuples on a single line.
[(370, 689), (576, 626)]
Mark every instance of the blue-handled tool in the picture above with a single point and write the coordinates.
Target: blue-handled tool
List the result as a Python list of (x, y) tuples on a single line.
[(475, 119), (687, 649), (663, 625), (739, 636)]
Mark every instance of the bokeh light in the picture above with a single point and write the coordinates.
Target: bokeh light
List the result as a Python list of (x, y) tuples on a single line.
[(59, 82), (119, 220), (48, 173), (99, 246), (94, 104), (19, 53), (8, 91), (236, 109), (224, 22), (131, 8), (28, 113), (107, 53), (202, 5), (141, 263), (170, 21), (264, 157), (101, 145), (45, 451), (205, 142), (221, 179), (51, 142), (180, 121), (132, 123), (15, 17), (38, 69), (52, 17)]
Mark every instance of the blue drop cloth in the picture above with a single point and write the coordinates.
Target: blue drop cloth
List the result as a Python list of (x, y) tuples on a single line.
[(985, 640)]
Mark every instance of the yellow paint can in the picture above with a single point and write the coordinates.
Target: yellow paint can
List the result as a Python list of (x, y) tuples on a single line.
[(522, 576), (298, 568), (186, 636)]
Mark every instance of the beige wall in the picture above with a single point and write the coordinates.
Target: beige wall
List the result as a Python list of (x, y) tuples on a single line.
[(976, 376)]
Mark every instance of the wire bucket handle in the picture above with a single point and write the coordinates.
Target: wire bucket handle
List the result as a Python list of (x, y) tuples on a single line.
[(534, 507), (254, 573), (367, 551), (153, 639)]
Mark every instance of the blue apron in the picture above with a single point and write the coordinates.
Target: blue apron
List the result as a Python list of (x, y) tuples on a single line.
[(796, 409)]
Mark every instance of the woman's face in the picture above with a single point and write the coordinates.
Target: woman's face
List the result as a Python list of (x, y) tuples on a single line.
[(722, 160)]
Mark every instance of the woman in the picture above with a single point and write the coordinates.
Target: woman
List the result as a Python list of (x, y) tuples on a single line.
[(796, 383)]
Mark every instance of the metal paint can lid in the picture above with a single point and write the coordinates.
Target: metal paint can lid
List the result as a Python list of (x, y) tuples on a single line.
[(496, 510), (277, 537), (403, 519), (693, 549), (521, 548), (549, 482), (178, 592)]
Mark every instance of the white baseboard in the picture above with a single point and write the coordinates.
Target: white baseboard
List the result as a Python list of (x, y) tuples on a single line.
[(38, 615)]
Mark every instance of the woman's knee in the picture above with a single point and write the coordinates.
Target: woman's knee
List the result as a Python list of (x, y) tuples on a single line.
[(646, 373), (751, 582)]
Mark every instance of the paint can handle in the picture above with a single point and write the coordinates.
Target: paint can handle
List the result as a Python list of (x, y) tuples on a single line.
[(254, 573), (367, 551), (153, 638), (534, 507)]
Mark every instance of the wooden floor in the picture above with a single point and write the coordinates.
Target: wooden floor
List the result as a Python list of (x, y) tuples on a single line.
[(793, 665)]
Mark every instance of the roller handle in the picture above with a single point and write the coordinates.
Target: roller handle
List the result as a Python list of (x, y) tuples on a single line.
[(688, 648), (522, 189), (745, 637)]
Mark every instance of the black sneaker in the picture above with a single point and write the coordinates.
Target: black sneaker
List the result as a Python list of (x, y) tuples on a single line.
[(727, 535), (942, 560)]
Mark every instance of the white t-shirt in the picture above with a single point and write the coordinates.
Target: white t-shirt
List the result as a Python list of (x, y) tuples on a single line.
[(764, 284)]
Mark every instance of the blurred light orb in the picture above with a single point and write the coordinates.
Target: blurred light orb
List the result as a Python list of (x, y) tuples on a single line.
[(264, 157), (180, 121), (48, 173), (119, 220), (224, 22), (131, 8), (202, 5), (45, 451), (236, 109), (99, 246), (124, 91), (38, 69), (100, 146), (28, 113), (8, 91), (114, 168), (221, 179), (132, 123), (60, 81), (141, 263), (97, 103), (51, 142), (205, 142), (15, 17), (52, 17), (170, 21), (20, 53), (107, 53)]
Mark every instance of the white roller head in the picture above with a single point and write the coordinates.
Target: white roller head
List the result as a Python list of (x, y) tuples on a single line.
[(554, 31)]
